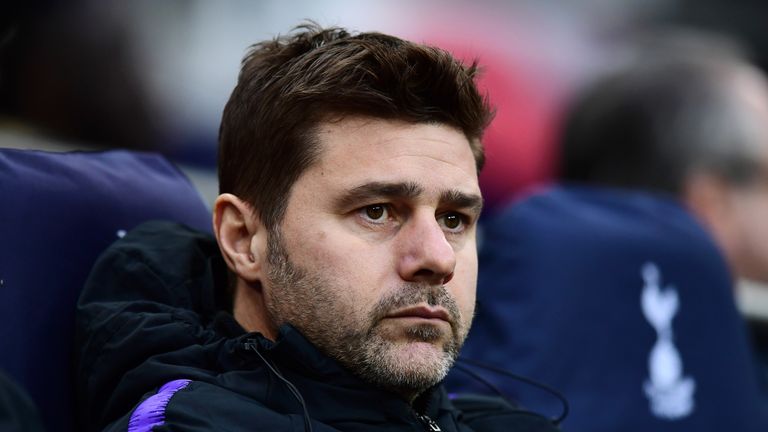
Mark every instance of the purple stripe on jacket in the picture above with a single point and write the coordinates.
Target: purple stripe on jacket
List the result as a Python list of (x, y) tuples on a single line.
[(151, 412)]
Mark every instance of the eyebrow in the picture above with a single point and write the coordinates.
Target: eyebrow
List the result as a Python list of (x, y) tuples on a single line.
[(457, 199), (375, 190), (407, 190)]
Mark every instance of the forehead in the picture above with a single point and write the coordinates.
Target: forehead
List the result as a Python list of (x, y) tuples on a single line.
[(355, 150)]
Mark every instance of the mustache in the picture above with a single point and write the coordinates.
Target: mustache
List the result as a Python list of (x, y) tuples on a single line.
[(412, 294)]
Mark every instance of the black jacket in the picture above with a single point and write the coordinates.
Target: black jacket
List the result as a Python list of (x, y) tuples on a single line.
[(153, 313)]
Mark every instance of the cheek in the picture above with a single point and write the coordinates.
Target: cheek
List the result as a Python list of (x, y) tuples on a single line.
[(749, 235), (352, 267), (754, 229), (463, 286)]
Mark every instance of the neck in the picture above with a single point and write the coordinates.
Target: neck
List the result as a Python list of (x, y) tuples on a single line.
[(250, 310)]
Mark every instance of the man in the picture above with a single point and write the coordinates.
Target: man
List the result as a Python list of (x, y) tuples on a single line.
[(690, 119), (341, 284)]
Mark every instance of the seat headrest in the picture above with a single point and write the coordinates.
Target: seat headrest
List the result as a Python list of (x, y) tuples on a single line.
[(59, 212), (609, 296)]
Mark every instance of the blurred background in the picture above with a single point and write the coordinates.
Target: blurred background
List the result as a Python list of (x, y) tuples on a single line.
[(155, 75)]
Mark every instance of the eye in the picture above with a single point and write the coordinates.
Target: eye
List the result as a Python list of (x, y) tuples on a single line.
[(453, 222), (375, 212)]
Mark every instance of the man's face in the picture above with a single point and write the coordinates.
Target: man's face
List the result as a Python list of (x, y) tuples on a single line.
[(748, 204), (748, 208), (375, 261)]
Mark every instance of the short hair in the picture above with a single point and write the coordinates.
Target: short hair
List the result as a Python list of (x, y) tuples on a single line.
[(669, 113), (289, 85)]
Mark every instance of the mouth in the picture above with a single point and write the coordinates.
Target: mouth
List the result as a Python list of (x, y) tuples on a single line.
[(422, 312)]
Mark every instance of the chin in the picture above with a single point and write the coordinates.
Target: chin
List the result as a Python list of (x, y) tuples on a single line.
[(419, 351), (425, 362), (405, 359)]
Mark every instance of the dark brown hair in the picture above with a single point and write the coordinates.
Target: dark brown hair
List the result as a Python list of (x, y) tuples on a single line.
[(287, 86)]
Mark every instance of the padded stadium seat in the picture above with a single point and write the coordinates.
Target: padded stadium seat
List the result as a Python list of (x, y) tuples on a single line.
[(622, 302), (58, 212)]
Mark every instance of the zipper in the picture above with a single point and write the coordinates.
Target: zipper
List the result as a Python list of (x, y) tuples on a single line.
[(429, 423)]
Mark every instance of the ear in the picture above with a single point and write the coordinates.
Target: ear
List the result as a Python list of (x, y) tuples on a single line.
[(707, 197), (241, 236)]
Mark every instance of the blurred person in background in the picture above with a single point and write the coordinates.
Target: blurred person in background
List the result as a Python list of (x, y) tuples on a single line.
[(688, 117)]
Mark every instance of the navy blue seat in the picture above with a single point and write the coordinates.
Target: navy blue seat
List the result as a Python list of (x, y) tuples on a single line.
[(622, 302), (58, 211)]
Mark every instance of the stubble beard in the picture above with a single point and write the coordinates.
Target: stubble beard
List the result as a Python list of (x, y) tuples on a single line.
[(363, 345)]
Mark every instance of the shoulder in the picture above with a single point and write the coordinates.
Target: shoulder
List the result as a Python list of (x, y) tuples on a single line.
[(185, 404), (149, 302), (160, 254)]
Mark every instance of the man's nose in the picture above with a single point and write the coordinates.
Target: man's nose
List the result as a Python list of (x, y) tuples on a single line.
[(424, 254)]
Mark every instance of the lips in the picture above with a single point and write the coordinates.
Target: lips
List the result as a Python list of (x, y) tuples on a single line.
[(426, 312)]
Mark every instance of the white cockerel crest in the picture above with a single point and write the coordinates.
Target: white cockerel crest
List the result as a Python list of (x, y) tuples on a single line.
[(670, 394)]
